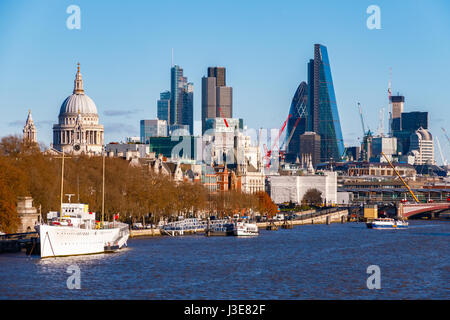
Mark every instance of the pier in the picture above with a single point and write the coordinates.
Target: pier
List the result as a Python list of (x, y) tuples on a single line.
[(15, 242), (335, 215)]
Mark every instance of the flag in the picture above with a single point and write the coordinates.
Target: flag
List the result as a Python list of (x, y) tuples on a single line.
[(116, 216)]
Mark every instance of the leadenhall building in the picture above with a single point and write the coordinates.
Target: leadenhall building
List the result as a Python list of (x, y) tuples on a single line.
[(78, 130)]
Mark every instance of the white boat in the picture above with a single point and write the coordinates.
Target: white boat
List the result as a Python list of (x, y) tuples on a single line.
[(242, 228), (77, 233), (387, 223), (220, 228), (74, 230)]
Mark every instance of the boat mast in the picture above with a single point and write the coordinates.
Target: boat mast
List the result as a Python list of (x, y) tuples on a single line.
[(103, 188), (62, 186)]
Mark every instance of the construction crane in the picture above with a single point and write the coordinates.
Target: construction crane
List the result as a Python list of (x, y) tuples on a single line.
[(269, 152), (301, 111), (381, 123), (398, 175), (221, 115), (444, 162), (446, 135), (362, 119)]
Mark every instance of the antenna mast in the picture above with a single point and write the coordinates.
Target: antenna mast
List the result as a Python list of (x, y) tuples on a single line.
[(390, 102)]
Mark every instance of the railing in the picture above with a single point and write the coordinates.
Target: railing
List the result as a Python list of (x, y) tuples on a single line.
[(17, 236), (318, 213)]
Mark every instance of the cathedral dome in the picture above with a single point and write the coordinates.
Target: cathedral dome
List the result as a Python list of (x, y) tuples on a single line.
[(78, 102)]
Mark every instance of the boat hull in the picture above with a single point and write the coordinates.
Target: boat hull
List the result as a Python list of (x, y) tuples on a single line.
[(58, 241), (386, 226), (242, 229)]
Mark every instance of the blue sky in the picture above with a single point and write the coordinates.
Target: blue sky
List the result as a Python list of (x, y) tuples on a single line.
[(124, 48)]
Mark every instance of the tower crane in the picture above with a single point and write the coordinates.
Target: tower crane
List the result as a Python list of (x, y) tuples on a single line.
[(444, 162), (301, 111), (398, 175), (269, 152), (362, 119), (446, 135)]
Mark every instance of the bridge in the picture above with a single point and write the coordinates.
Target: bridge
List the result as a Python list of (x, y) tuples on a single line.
[(431, 210)]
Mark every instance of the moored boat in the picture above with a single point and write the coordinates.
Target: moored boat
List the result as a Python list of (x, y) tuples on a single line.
[(387, 223), (76, 232), (243, 228)]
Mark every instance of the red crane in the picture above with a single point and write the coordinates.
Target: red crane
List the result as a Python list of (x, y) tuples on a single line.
[(269, 152), (221, 115), (301, 111)]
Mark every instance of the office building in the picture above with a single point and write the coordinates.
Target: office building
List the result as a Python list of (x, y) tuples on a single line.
[(217, 98), (398, 103), (323, 115), (297, 122), (320, 115), (412, 121), (163, 112), (387, 145), (310, 146), (422, 147), (152, 128)]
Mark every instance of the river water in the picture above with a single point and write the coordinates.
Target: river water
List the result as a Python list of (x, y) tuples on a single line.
[(307, 262)]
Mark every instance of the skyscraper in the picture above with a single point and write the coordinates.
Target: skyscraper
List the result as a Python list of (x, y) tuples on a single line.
[(219, 73), (299, 101), (323, 111), (217, 98), (321, 116), (163, 112), (187, 117), (177, 83), (398, 103), (177, 105)]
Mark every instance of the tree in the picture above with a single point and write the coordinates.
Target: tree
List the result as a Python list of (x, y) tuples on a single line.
[(312, 197), (265, 204)]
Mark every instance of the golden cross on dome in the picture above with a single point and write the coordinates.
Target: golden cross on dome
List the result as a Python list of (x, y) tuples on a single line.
[(78, 67)]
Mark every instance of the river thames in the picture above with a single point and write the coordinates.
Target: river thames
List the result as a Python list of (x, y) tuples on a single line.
[(307, 262)]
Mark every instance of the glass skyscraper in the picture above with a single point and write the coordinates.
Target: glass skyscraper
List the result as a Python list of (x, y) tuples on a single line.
[(299, 100), (323, 111), (321, 114), (177, 105), (164, 106)]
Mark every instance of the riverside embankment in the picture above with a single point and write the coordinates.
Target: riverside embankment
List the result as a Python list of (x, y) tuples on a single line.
[(327, 216)]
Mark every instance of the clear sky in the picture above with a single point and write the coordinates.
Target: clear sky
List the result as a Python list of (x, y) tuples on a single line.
[(124, 48)]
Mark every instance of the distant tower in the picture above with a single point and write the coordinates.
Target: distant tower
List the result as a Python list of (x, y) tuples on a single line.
[(29, 131)]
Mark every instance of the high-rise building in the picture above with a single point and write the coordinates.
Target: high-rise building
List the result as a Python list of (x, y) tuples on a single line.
[(177, 105), (323, 115), (218, 73), (163, 112), (310, 146), (217, 98), (177, 82), (398, 103), (321, 112), (187, 117), (422, 147), (299, 102), (153, 128), (412, 121)]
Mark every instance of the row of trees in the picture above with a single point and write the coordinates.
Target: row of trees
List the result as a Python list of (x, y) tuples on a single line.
[(131, 192)]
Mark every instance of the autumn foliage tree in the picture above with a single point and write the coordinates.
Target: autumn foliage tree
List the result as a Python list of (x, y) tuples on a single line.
[(133, 192)]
